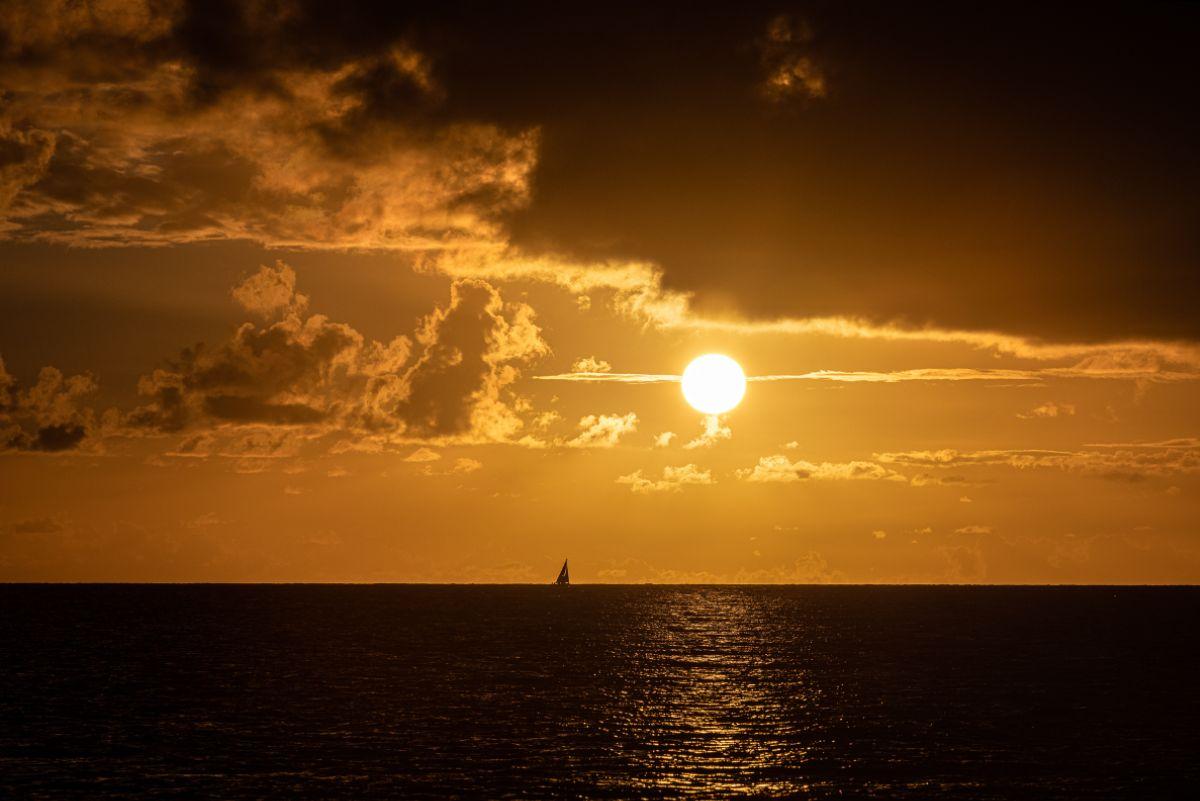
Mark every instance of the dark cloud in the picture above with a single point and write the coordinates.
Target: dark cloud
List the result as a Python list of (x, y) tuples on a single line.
[(24, 156), (292, 371), (968, 168), (238, 121), (308, 372), (789, 72), (38, 525), (51, 415), (455, 384)]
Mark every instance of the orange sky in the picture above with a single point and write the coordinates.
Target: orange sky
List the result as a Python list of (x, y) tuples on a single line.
[(292, 298)]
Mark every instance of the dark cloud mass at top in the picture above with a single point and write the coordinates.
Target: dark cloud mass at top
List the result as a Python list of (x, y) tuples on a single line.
[(1021, 169)]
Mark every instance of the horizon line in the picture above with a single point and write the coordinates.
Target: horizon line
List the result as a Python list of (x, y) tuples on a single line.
[(7, 583)]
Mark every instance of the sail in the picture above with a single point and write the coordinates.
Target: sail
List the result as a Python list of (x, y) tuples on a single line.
[(563, 576)]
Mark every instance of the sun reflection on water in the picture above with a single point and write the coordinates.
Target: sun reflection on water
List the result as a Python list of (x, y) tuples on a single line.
[(707, 705)]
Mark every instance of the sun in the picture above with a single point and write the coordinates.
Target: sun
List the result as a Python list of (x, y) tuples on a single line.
[(713, 383)]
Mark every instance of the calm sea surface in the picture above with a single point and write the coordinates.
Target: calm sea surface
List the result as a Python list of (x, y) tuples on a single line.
[(598, 692)]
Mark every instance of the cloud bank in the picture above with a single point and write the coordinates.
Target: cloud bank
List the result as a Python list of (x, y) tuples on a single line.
[(296, 377)]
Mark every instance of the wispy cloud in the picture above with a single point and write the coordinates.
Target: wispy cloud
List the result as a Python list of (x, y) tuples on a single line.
[(778, 469), (603, 431), (1049, 409), (1129, 462), (926, 374), (1128, 373), (673, 479), (1120, 461), (616, 378), (714, 431)]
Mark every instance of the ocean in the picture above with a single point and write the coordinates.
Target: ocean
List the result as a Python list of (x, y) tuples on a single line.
[(412, 691)]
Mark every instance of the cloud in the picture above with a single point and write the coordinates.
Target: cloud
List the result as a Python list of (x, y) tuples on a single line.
[(470, 348), (973, 529), (590, 364), (928, 479), (423, 455), (461, 466), (546, 419), (664, 439), (1114, 461), (776, 469), (37, 525), (603, 431), (714, 431), (34, 27), (251, 444), (673, 479), (620, 378), (1047, 410), (939, 374), (779, 469), (1177, 443), (1143, 370), (296, 370), (1119, 461), (790, 71), (206, 520), (270, 292), (49, 416), (123, 127), (936, 374), (24, 158), (467, 465), (638, 291), (879, 534), (315, 377)]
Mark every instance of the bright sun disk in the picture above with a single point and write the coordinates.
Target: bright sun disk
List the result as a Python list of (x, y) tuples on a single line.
[(713, 383)]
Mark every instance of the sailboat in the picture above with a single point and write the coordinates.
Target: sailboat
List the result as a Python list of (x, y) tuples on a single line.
[(564, 578)]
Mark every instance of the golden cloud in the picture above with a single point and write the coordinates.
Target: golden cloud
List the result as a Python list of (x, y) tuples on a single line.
[(673, 479)]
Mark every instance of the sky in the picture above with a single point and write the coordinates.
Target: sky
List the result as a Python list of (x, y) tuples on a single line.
[(300, 291)]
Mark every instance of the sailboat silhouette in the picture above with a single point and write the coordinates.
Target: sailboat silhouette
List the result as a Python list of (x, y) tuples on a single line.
[(564, 577)]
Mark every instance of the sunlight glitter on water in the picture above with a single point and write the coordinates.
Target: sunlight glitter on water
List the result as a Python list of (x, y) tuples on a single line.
[(712, 723)]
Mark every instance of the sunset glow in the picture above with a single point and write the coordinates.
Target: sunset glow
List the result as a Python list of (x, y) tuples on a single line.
[(369, 292)]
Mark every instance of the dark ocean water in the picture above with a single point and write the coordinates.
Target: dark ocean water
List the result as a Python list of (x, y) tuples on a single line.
[(598, 692)]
